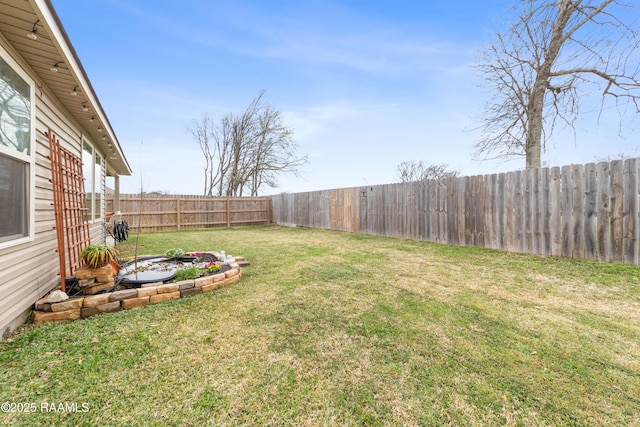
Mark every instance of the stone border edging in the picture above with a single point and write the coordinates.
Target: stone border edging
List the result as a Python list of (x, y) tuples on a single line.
[(151, 293)]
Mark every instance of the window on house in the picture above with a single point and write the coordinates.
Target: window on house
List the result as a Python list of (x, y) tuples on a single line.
[(92, 173), (16, 153), (14, 205)]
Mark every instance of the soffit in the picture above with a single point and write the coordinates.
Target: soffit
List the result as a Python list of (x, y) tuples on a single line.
[(17, 19)]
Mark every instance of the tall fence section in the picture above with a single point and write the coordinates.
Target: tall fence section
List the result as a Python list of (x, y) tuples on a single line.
[(163, 213), (582, 211)]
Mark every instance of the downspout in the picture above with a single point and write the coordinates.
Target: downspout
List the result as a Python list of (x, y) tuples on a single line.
[(116, 193)]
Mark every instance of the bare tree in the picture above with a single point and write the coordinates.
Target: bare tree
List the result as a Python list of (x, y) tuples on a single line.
[(273, 151), (411, 170), (246, 152), (244, 128), (556, 53), (624, 155), (214, 141), (201, 130)]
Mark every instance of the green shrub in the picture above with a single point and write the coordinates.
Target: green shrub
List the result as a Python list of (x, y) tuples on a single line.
[(191, 272), (173, 252)]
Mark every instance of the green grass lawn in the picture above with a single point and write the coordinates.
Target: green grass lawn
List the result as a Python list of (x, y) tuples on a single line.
[(329, 328)]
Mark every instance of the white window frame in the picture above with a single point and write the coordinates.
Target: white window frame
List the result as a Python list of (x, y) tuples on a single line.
[(28, 159), (96, 187)]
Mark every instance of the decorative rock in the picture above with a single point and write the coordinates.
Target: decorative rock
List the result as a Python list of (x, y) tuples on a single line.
[(97, 288), (169, 287), (86, 282), (104, 278), (189, 291), (163, 297), (55, 296), (67, 305), (206, 280), (84, 274), (148, 285), (243, 263), (42, 317), (88, 312), (230, 273), (42, 305), (109, 307), (95, 300), (211, 287), (218, 277), (92, 273), (146, 292), (134, 302), (186, 284), (124, 294)]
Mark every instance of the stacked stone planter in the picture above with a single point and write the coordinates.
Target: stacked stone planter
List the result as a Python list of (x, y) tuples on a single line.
[(46, 310), (94, 280)]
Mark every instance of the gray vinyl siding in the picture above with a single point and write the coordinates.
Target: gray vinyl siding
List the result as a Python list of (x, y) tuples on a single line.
[(29, 270)]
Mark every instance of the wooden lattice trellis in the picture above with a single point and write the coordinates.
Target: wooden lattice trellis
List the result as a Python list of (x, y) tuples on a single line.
[(70, 206)]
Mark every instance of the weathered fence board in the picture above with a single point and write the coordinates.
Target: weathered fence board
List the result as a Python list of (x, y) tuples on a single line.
[(519, 212), (529, 245), (631, 211), (555, 211), (500, 221), (567, 212), (509, 212), (603, 212), (163, 213), (584, 211), (617, 212), (542, 212), (577, 200), (590, 209)]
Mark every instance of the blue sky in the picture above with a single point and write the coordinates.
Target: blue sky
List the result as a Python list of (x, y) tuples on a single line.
[(364, 85)]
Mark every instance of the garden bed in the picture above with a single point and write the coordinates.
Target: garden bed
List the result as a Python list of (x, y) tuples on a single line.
[(137, 291)]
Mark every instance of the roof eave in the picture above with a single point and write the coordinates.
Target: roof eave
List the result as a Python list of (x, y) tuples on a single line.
[(116, 159)]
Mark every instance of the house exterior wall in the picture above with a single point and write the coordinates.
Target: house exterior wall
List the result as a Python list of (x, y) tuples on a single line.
[(29, 270)]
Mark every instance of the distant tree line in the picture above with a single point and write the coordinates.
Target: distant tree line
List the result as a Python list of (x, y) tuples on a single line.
[(246, 152), (413, 170)]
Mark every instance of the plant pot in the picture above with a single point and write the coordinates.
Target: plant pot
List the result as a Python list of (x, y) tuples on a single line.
[(98, 256), (115, 267)]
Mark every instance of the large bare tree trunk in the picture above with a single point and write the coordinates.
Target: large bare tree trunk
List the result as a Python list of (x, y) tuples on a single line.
[(539, 65), (533, 148)]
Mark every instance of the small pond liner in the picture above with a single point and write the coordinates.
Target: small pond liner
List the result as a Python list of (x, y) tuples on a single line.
[(152, 269), (127, 275)]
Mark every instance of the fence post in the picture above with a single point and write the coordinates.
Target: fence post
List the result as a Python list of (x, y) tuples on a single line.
[(228, 213), (178, 213), (362, 210)]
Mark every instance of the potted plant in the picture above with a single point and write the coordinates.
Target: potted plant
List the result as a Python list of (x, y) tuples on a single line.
[(97, 256)]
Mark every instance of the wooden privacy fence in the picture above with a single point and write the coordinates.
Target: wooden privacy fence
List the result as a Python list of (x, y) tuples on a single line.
[(162, 213), (581, 211)]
